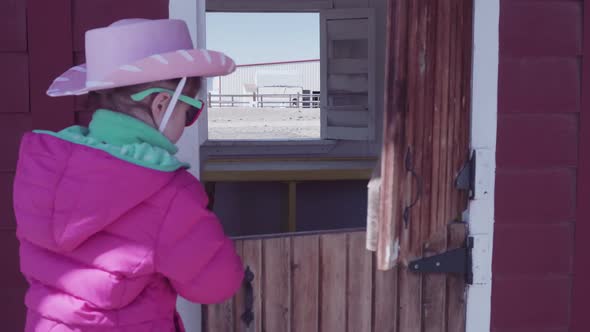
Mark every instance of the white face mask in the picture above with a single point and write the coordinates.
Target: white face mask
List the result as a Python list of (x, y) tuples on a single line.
[(172, 104)]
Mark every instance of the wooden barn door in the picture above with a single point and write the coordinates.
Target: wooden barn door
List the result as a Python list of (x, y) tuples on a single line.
[(38, 41), (330, 282)]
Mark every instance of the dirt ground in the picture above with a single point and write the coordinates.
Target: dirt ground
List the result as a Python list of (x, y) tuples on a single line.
[(264, 123)]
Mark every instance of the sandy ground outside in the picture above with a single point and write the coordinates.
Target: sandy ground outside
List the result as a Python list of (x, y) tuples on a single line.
[(263, 123)]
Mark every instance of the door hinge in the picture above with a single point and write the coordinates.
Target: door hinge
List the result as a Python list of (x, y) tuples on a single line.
[(465, 180), (457, 261), (477, 175)]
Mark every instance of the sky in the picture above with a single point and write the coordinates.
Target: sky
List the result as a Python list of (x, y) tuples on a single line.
[(264, 37)]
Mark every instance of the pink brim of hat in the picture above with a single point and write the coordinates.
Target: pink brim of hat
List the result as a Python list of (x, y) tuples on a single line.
[(177, 64)]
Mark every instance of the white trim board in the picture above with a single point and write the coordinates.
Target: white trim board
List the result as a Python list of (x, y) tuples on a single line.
[(484, 120), (193, 13)]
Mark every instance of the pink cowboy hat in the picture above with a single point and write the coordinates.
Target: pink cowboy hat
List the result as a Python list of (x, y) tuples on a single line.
[(134, 51)]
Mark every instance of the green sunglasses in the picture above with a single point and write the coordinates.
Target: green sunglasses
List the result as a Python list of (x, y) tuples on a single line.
[(193, 113)]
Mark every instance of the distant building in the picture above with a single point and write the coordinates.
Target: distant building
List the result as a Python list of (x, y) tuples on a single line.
[(284, 78)]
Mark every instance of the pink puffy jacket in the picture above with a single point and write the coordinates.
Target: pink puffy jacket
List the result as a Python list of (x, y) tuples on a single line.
[(107, 245)]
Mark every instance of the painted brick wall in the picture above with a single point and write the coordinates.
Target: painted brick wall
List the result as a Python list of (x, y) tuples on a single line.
[(537, 158)]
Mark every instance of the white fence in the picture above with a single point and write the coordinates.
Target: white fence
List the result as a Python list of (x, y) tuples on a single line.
[(298, 100)]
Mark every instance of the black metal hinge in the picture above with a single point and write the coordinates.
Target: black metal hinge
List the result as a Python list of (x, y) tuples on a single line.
[(465, 180), (457, 261)]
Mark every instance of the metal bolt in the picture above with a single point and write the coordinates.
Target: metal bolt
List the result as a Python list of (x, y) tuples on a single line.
[(437, 263)]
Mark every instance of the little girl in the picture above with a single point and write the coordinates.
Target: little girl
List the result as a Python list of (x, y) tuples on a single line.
[(111, 225)]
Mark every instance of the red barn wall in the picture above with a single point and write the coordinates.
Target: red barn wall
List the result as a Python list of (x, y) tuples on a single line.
[(539, 104), (39, 39)]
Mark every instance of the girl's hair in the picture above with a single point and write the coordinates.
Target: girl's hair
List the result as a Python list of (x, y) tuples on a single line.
[(119, 99)]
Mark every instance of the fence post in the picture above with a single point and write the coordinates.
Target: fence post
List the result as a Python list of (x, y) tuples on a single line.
[(209, 99), (298, 99), (261, 101)]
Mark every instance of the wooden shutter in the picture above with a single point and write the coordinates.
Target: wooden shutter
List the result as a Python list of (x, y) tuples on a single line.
[(426, 134), (347, 38), (266, 5)]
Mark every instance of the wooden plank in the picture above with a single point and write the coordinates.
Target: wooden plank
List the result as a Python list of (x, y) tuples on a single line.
[(220, 317), (348, 118), (542, 28), (251, 251), (386, 301), (539, 85), (13, 26), (349, 49), (372, 81), (348, 83), (333, 282), (526, 138), (7, 219), (416, 223), (348, 29), (348, 66), (456, 288), (456, 76), (359, 283), (13, 308), (348, 133), (239, 298), (410, 304), (580, 320), (277, 281), (99, 13), (274, 176), (12, 127), (16, 90), (393, 134), (324, 72), (410, 285), (351, 3), (434, 285), (349, 99), (434, 291), (49, 18), (267, 5), (344, 14), (9, 261), (306, 284)]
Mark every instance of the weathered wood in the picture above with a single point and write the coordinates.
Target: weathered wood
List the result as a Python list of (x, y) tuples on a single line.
[(434, 285), (410, 285), (435, 83), (435, 291), (348, 29), (333, 282), (306, 284), (251, 253), (277, 281), (386, 301), (359, 284), (220, 317), (456, 296), (348, 118), (406, 198), (393, 135), (347, 62), (348, 83), (348, 66), (410, 301)]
